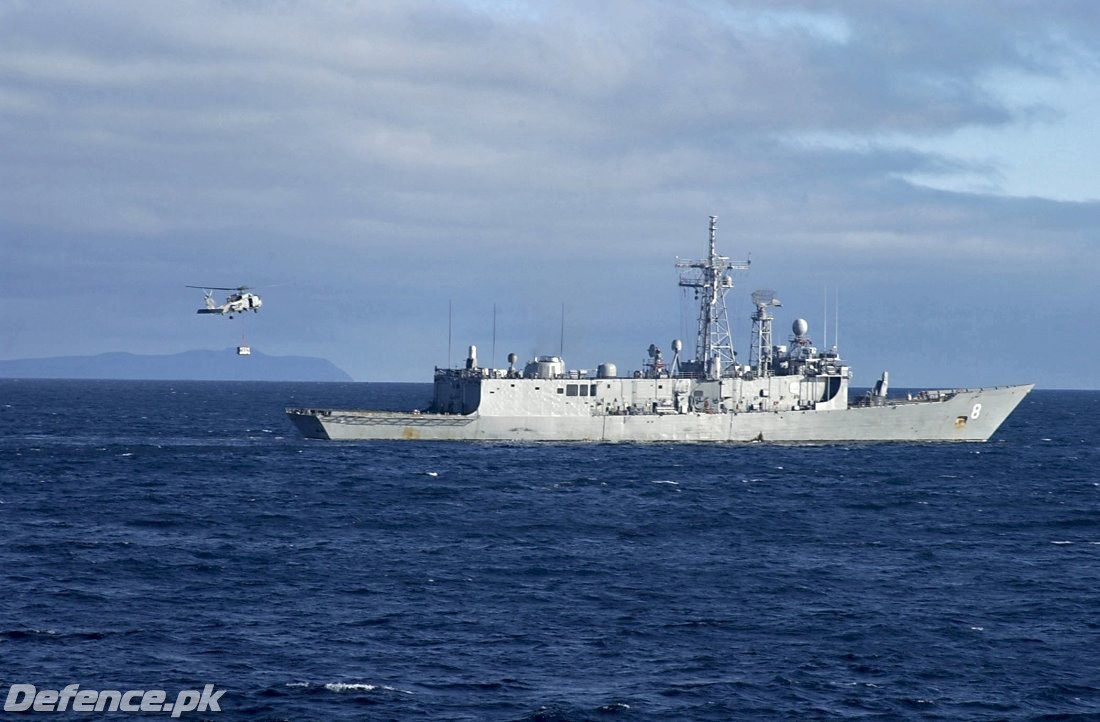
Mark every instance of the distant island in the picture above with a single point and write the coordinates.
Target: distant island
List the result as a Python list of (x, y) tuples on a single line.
[(187, 366)]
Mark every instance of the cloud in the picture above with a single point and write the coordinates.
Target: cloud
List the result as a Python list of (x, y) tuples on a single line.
[(415, 151)]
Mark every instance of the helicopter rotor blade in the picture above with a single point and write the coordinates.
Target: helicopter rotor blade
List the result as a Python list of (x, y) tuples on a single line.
[(220, 288)]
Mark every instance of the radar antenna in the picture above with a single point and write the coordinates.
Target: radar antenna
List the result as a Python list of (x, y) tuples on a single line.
[(760, 355), (711, 280)]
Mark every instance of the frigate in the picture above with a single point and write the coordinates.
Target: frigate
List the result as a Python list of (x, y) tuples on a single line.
[(790, 393)]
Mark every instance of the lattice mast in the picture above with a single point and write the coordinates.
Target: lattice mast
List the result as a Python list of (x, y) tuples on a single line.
[(760, 354), (711, 280)]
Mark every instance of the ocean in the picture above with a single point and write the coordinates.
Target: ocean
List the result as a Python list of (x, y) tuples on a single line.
[(172, 535)]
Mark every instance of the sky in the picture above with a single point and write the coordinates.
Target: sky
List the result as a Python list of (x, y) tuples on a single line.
[(399, 180)]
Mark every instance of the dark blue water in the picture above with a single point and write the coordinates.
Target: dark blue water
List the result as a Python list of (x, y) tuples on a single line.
[(172, 535)]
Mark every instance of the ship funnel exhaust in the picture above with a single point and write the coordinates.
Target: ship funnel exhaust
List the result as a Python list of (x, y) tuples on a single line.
[(882, 386)]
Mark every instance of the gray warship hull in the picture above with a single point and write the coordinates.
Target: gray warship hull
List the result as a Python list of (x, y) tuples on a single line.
[(789, 393), (957, 415)]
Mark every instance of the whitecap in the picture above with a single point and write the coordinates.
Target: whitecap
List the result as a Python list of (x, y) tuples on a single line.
[(666, 481), (361, 687), (1061, 542), (349, 687)]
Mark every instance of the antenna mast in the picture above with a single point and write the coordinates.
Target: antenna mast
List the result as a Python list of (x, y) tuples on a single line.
[(711, 280), (760, 355)]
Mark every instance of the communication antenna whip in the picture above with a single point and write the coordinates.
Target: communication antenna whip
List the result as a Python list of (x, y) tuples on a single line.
[(836, 317), (561, 341)]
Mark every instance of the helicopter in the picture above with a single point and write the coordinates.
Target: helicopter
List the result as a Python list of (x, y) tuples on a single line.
[(241, 300)]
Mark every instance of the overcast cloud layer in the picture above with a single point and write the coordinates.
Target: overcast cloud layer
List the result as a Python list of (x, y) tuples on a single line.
[(364, 165)]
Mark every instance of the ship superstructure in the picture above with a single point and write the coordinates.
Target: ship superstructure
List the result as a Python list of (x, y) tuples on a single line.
[(790, 392)]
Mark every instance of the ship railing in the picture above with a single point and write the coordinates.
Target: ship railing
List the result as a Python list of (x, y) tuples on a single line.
[(309, 412), (912, 397)]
